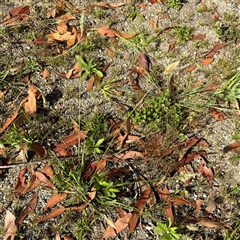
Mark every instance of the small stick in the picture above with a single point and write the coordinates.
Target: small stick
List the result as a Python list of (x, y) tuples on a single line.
[(31, 163)]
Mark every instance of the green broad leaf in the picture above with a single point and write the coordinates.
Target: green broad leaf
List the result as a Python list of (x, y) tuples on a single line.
[(161, 228), (84, 76), (176, 235), (104, 184), (97, 150), (114, 190), (99, 73), (169, 223), (81, 62), (99, 142)]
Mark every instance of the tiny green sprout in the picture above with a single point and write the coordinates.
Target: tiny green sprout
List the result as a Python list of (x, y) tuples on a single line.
[(134, 13), (89, 68), (233, 235), (105, 186), (93, 147), (175, 4), (107, 88), (183, 33), (167, 232), (3, 75), (31, 66), (230, 90)]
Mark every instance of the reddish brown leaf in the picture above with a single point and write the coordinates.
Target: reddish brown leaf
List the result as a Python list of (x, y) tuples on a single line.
[(66, 17), (215, 49), (110, 5), (40, 176), (121, 212), (171, 46), (70, 140), (199, 37), (125, 35), (118, 172), (169, 211), (31, 105), (139, 70), (65, 237), (205, 170), (56, 212), (211, 88), (143, 61), (38, 148), (54, 200), (39, 40), (189, 68), (179, 200), (206, 61), (13, 117), (47, 170), (72, 38), (129, 154), (140, 204), (28, 210), (91, 83), (52, 13), (21, 10), (134, 85), (46, 73), (191, 156), (211, 224), (62, 28), (17, 14), (120, 225), (199, 202), (164, 194), (99, 166), (154, 1), (204, 221), (203, 143), (133, 222), (106, 31), (154, 24), (74, 138), (216, 16), (32, 184), (21, 179), (217, 114), (233, 147)]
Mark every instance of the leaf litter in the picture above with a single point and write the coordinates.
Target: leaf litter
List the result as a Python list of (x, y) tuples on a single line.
[(68, 36)]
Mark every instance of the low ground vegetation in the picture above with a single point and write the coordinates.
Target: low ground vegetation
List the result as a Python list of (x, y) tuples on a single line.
[(120, 120)]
